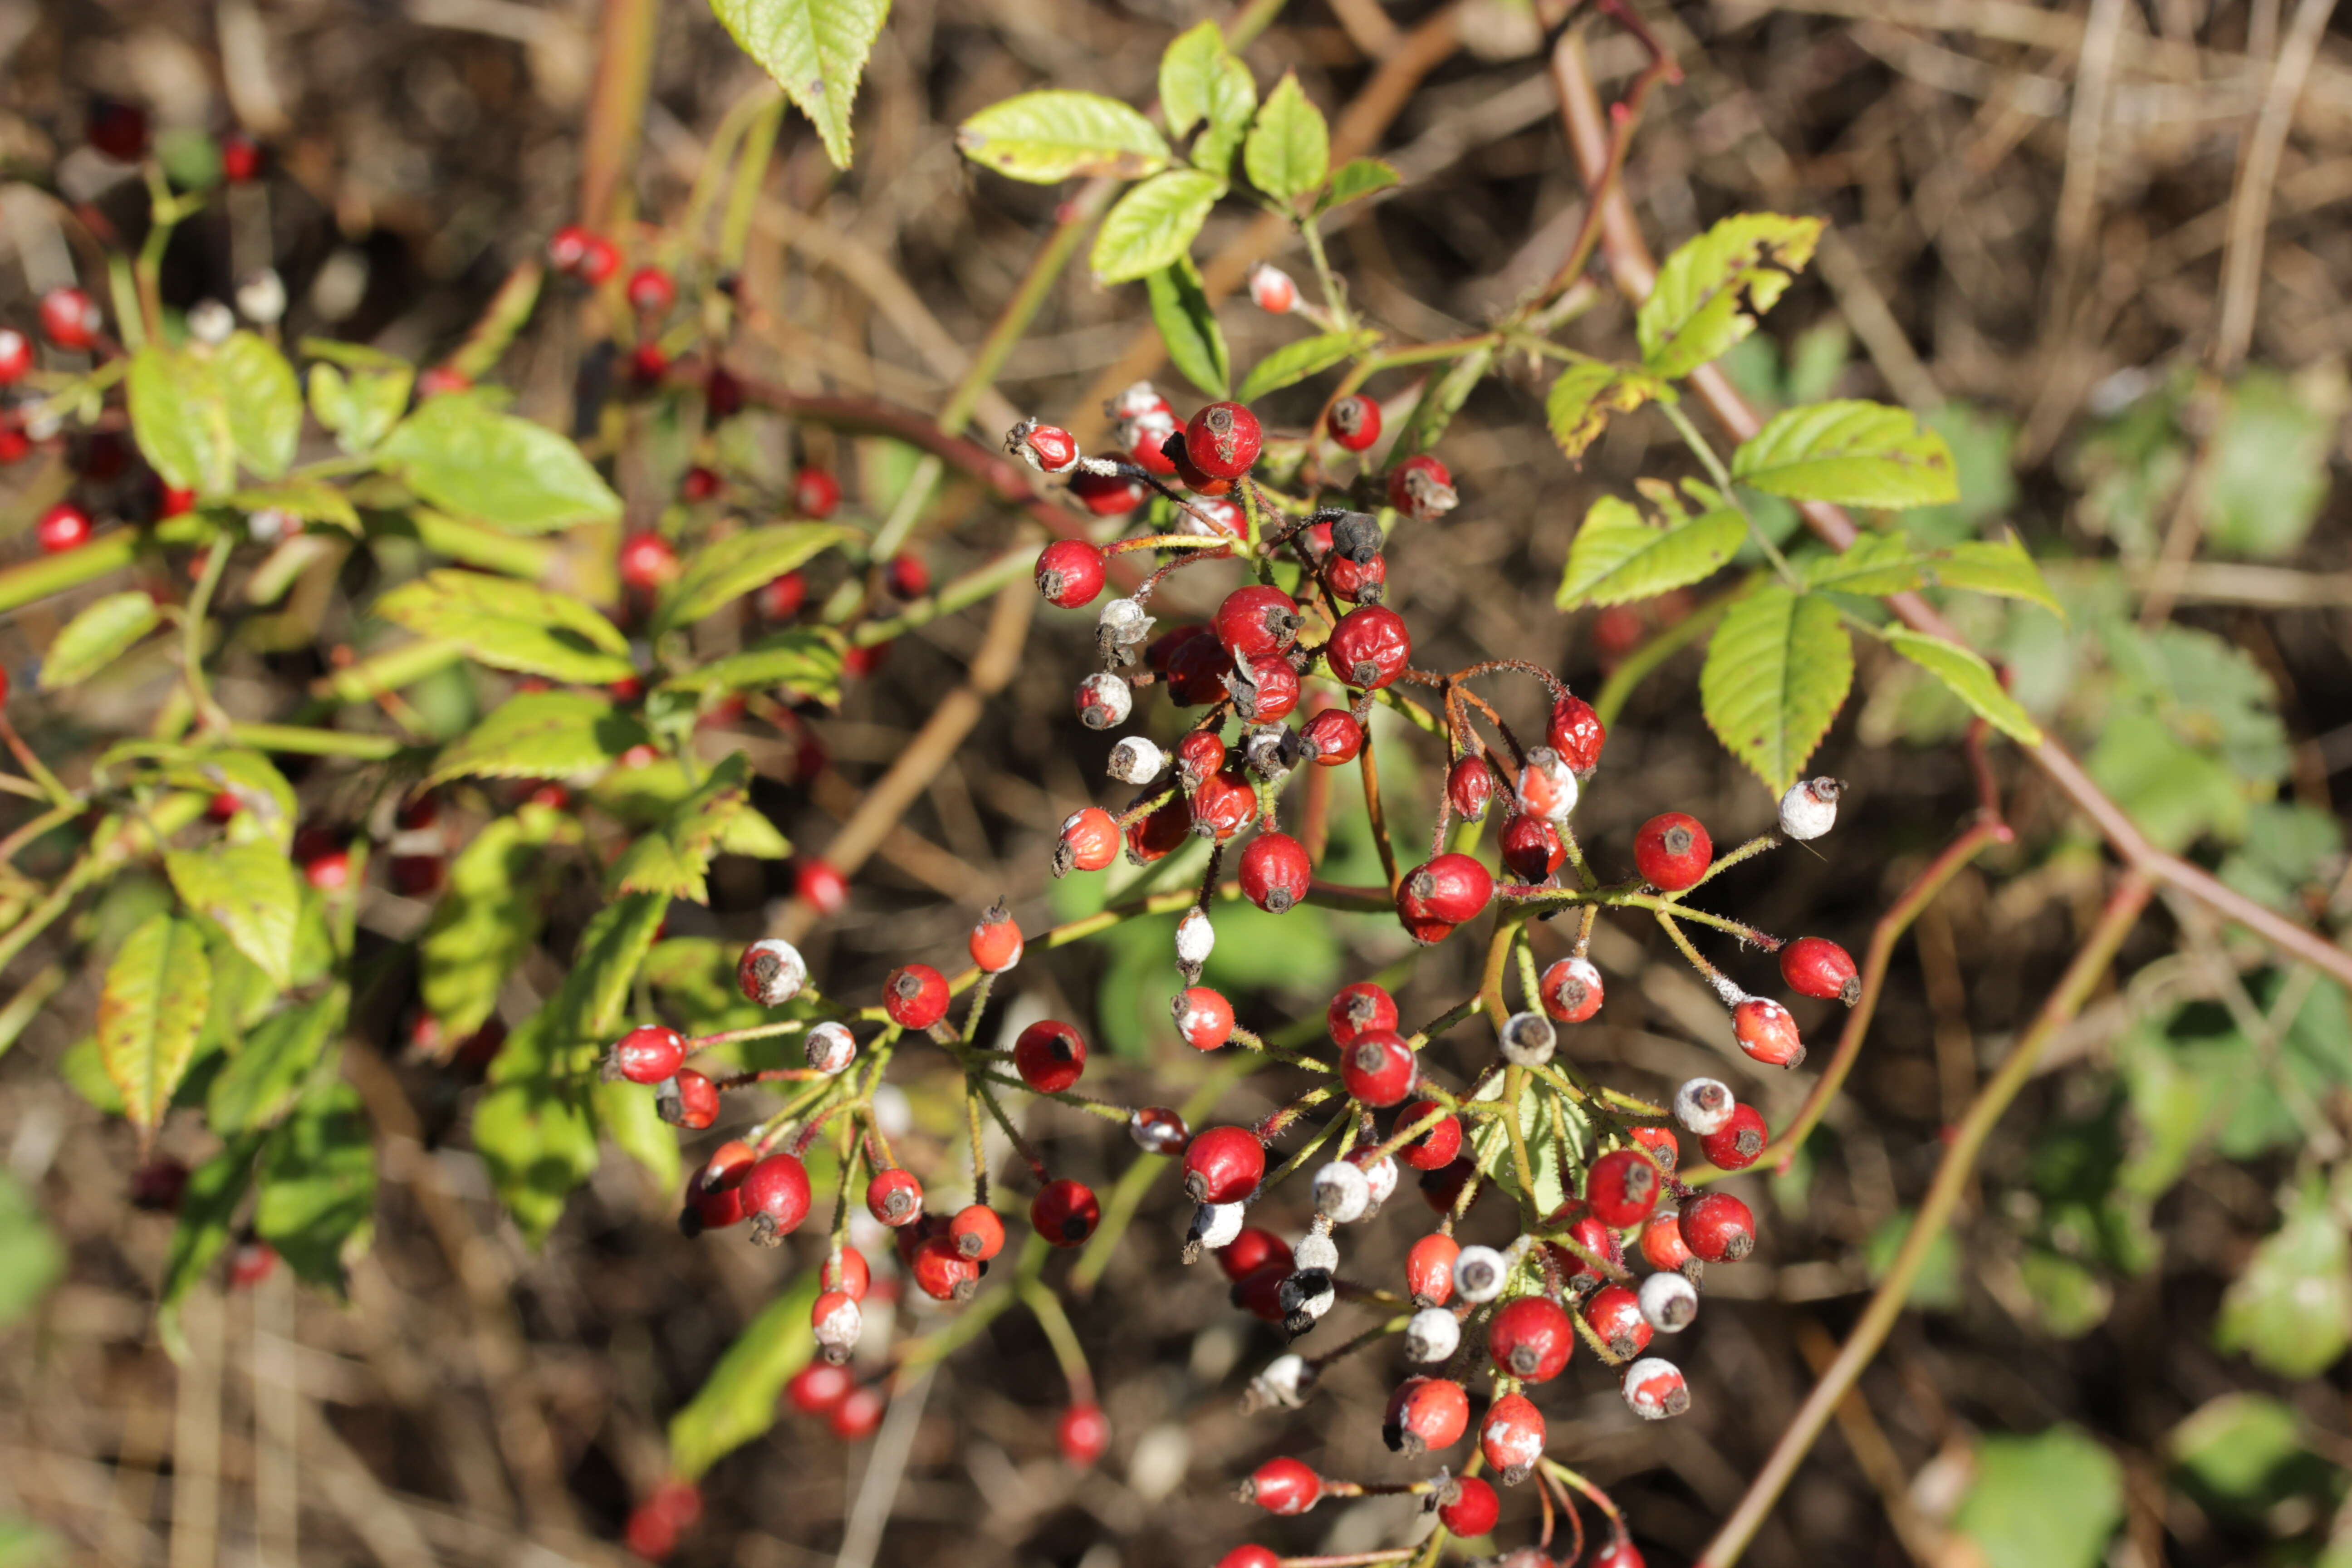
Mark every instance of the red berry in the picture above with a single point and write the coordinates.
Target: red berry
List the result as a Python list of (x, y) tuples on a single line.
[(1767, 1032), (1369, 648), (687, 1099), (1737, 1142), (1474, 1510), (1090, 842), (1249, 1557), (650, 1532), (849, 1274), (1576, 734), (1065, 1213), (1275, 873), (856, 1417), (1356, 581), (1718, 1228), (1621, 1188), (1530, 1339), (1084, 1432), (1571, 990), (1195, 664), (1222, 804), (1618, 1554), (15, 356), (1258, 619), (251, 1263), (906, 577), (1512, 1436), (1223, 1165), (1222, 440), (1673, 851), (1272, 289), (1161, 833), (1378, 1067), (13, 443), (1425, 1413), (330, 871), (1203, 1017), (1662, 1242), (780, 598), (1441, 1189), (915, 996), (942, 1272), (996, 942), (1435, 897), (1357, 1007), (978, 1232), (650, 291), (646, 1055), (1049, 1056), (1659, 1144), (435, 380), (1469, 786), (117, 129), (1199, 756), (599, 259), (1614, 1313), (1264, 687), (1070, 573), (820, 885), (895, 1197), (1434, 1148), (1253, 1251), (1283, 1486), (815, 493), (1158, 1130), (715, 1194), (1429, 1269), (1355, 423), (241, 158), (817, 1388), (1421, 489), (418, 876), (776, 1196), (698, 484), (63, 527), (647, 561), (1108, 495), (1531, 847), (1816, 967), (70, 319), (1594, 1237), (566, 248)]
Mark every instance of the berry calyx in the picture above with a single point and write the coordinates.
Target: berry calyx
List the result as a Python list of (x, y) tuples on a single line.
[(1814, 966), (646, 1055), (1065, 1213), (1571, 990), (996, 943), (1222, 440), (1354, 423), (1283, 1486), (1768, 1032), (1718, 1228), (1203, 1017), (1223, 1165), (1621, 1188), (1274, 872), (1531, 1339), (1512, 1437), (1740, 1142), (915, 996), (776, 1196), (63, 527), (1369, 648), (1434, 1149), (895, 1197), (1421, 489), (978, 1232), (1425, 1413), (1070, 573), (1049, 1056), (1672, 851)]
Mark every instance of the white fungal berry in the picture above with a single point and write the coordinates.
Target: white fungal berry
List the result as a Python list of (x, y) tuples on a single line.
[(262, 297), (210, 321), (1432, 1334), (1104, 699), (1654, 1389), (1137, 760), (1547, 786), (1342, 1193), (1810, 808), (1304, 1297), (1213, 1225), (837, 1331), (831, 1047), (1529, 1039), (1704, 1106), (1381, 1176), (1479, 1273), (1669, 1302), (1316, 1249), (1287, 1381), (1195, 937), (770, 972)]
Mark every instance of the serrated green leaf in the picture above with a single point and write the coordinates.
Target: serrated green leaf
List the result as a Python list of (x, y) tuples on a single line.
[(672, 860), (533, 1128), (306, 500), (1490, 1151), (2290, 1310), (807, 661), (1872, 563), (1694, 313), (542, 736), (157, 991), (815, 50), (753, 834), (726, 569), (179, 420), (317, 1206), (263, 402), (269, 1070), (360, 407), (31, 1257), (1188, 75), (1580, 401), (1289, 152), (487, 918), (251, 893), (2050, 1500), (1996, 566), (103, 632), (208, 1207), (1777, 671), (1356, 179), (461, 453), (1153, 224), (1848, 453), (1057, 134), (1188, 325), (1295, 362), (1439, 403), (737, 1401), (632, 1118), (512, 625), (1232, 101), (1617, 557), (588, 1007), (1969, 678)]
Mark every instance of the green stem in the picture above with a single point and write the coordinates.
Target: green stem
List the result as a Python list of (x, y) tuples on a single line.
[(295, 740), (1705, 451), (35, 579)]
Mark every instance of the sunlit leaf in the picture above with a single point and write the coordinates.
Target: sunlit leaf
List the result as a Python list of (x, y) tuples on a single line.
[(152, 1005), (1777, 669), (1054, 135), (1712, 288), (1849, 453), (1153, 224), (815, 50)]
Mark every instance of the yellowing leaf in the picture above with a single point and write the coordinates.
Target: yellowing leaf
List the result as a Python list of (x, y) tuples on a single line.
[(251, 893), (1696, 311), (1580, 401), (102, 633), (512, 625), (1996, 566), (149, 1014), (1054, 135)]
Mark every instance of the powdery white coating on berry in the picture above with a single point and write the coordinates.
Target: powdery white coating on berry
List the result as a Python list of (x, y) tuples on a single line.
[(261, 298), (1381, 1176), (1548, 788), (1810, 808), (1316, 1249), (831, 1047), (1125, 621), (1104, 699), (1272, 289), (1654, 1389), (1216, 1225), (1137, 401), (1479, 1273), (1433, 1334), (770, 972), (1287, 1381), (839, 1327), (1529, 1039), (1342, 1193), (1195, 937), (1704, 1106), (210, 321), (1669, 1302), (1137, 760)]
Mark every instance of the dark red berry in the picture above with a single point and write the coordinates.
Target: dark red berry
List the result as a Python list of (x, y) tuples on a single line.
[(1223, 1165), (1252, 1250), (1264, 687), (1274, 872), (1673, 851), (1816, 967), (1577, 733), (241, 158), (1049, 1056), (1369, 648), (776, 1196), (117, 129), (1222, 440), (1434, 1148), (1065, 1213), (1161, 833), (1718, 1228), (1531, 847), (1469, 786), (1621, 1188), (1355, 423)]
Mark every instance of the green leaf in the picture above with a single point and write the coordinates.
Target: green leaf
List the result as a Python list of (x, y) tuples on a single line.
[(1617, 557), (1188, 325), (672, 860), (542, 736), (306, 500), (533, 1130), (737, 1401), (1694, 313), (179, 421), (815, 50), (512, 625), (318, 1184), (2239, 1451), (1439, 403), (1490, 1150), (1232, 102), (31, 1257), (251, 893), (1777, 671), (1153, 224), (1579, 403), (208, 1205), (1054, 135), (1849, 453), (1289, 149), (1872, 563), (2268, 474), (1970, 680), (808, 660), (632, 1118), (262, 1080), (589, 1004), (1295, 362), (1356, 179), (1188, 76), (2046, 1501), (726, 569), (359, 408), (1940, 1284), (462, 453), (487, 918), (2001, 566), (102, 633), (263, 399), (2291, 1311), (156, 993)]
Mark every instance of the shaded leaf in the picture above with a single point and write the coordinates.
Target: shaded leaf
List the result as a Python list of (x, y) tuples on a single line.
[(2291, 1311), (533, 1129), (156, 993), (1295, 362), (31, 1257), (2046, 1501), (1289, 148), (512, 625), (726, 569), (263, 401), (631, 1118), (1617, 557), (179, 421), (1153, 224), (1232, 102), (1970, 680), (1055, 134), (737, 1401), (1696, 311), (461, 453), (1777, 669), (306, 500), (1872, 563), (208, 1206), (815, 50), (1849, 453), (317, 1206), (542, 736), (673, 860), (103, 632), (1188, 325), (1580, 401), (251, 893), (488, 917), (807, 661), (1356, 179), (261, 1081)]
